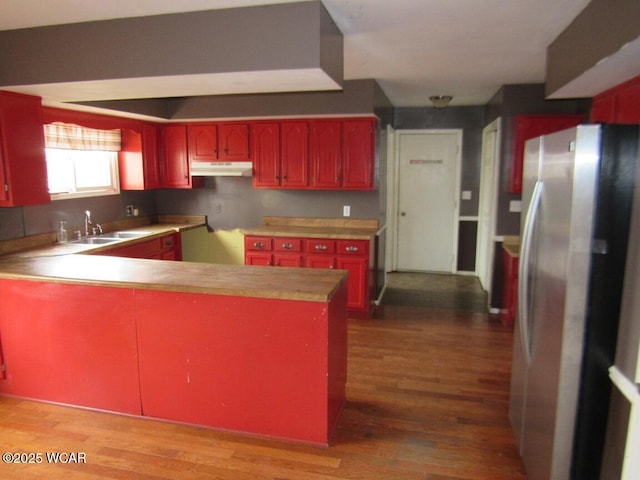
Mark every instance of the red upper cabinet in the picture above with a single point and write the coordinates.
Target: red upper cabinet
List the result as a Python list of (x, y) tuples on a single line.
[(294, 154), (150, 157), (233, 142), (138, 159), (203, 143), (620, 104), (23, 167), (317, 154), (358, 154), (173, 157), (265, 144), (218, 142), (527, 127), (326, 154)]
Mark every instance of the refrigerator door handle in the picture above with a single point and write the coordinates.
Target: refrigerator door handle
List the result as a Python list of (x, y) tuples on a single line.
[(523, 267)]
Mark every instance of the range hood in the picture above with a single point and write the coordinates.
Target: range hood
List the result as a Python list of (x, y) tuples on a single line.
[(221, 169)]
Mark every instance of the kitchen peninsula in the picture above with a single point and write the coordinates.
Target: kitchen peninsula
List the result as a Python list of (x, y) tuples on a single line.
[(233, 347)]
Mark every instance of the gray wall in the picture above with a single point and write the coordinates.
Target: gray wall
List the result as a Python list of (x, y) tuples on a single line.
[(24, 221), (259, 38), (598, 33), (231, 202)]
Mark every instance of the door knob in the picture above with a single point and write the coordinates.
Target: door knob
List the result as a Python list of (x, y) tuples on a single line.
[(402, 214)]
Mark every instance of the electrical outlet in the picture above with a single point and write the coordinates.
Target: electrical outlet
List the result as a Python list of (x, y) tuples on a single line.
[(129, 210), (218, 208), (346, 211)]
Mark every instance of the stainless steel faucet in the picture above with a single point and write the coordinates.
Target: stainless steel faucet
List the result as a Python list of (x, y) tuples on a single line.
[(87, 222)]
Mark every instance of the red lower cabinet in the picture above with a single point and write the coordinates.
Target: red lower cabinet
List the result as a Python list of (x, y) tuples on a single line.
[(70, 344), (167, 247), (350, 255), (510, 289)]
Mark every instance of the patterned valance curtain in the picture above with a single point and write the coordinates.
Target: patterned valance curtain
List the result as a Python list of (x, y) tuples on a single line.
[(74, 137)]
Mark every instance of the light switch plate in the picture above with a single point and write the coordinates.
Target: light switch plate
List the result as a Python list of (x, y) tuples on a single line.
[(346, 211), (515, 206), (466, 195)]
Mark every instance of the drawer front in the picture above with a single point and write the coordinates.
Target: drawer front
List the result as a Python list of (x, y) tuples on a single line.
[(257, 244), (286, 244), (353, 247), (167, 242), (320, 245)]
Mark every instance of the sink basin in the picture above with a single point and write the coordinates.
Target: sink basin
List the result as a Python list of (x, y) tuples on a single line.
[(94, 241), (120, 235)]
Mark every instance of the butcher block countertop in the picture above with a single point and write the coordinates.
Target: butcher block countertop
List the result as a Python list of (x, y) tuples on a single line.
[(337, 228), (511, 245), (187, 277), (73, 264)]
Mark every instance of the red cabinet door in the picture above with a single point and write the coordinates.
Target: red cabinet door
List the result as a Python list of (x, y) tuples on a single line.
[(294, 154), (203, 143), (138, 159), (23, 166), (532, 126), (175, 164), (233, 141), (320, 261), (287, 259), (326, 154), (265, 138), (357, 282), (603, 109), (150, 157), (358, 154), (262, 259), (628, 104)]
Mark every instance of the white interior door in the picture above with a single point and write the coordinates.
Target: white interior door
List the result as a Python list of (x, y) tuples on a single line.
[(427, 208), (488, 204)]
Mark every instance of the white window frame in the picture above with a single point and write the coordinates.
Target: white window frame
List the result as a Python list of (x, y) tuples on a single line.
[(112, 189)]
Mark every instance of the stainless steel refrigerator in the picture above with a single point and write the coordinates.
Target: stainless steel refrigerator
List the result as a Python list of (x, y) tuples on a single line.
[(622, 445), (578, 188)]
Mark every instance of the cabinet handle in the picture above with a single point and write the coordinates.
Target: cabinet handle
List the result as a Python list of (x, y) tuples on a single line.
[(351, 248), (288, 246), (321, 247), (258, 244)]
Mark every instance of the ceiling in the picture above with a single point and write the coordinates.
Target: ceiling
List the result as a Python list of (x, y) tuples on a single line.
[(413, 48)]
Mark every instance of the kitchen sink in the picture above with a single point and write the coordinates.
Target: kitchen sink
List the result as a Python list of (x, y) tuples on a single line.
[(123, 235), (95, 241)]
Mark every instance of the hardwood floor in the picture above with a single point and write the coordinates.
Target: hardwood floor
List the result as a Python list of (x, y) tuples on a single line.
[(427, 393)]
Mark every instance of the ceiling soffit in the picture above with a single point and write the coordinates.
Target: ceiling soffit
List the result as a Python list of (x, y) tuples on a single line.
[(271, 48)]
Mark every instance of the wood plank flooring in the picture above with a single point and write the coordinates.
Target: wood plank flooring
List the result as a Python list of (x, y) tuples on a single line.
[(427, 400)]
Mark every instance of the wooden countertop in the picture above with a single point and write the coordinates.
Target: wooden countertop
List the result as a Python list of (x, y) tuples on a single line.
[(511, 245), (73, 263), (69, 248), (316, 285), (337, 228)]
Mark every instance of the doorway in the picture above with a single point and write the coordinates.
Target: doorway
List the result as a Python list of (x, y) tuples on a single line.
[(488, 201), (426, 200)]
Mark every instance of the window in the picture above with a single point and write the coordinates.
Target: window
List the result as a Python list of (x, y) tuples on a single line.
[(81, 162), (81, 173)]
